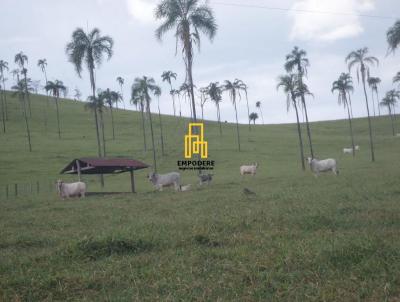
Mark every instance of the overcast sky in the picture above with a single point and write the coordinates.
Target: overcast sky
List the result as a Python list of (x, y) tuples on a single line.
[(251, 45)]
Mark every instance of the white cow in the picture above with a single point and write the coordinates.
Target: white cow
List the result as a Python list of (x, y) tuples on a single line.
[(350, 150), (249, 169), (165, 180), (318, 166), (67, 190)]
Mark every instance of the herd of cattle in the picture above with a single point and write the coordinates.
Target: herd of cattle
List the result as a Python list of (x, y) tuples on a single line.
[(173, 179)]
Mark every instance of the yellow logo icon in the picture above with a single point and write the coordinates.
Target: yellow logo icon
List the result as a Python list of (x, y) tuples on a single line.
[(194, 143)]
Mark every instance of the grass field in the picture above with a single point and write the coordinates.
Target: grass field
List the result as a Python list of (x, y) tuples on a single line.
[(298, 239)]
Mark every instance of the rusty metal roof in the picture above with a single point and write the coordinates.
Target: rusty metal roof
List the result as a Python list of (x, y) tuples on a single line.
[(96, 165)]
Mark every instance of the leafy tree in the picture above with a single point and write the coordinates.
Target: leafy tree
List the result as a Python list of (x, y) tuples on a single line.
[(88, 49), (215, 93), (121, 82), (20, 90), (393, 37), (390, 101), (167, 76), (189, 18), (144, 87), (360, 60), (297, 61), (20, 59), (55, 88), (234, 88), (344, 86), (157, 93), (288, 83), (253, 117), (258, 105)]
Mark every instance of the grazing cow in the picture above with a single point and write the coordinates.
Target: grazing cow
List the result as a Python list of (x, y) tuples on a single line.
[(350, 150), (325, 165), (165, 180), (186, 188), (205, 178), (249, 169), (67, 190), (357, 148)]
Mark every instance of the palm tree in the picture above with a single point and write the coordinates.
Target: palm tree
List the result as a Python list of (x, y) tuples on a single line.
[(297, 61), (258, 105), (253, 116), (77, 94), (393, 37), (15, 74), (233, 88), (244, 88), (20, 59), (97, 104), (20, 91), (137, 99), (203, 99), (3, 67), (189, 18), (143, 87), (360, 59), (55, 88), (157, 93), (390, 101), (185, 90), (42, 63), (344, 86), (121, 81), (288, 83), (110, 98), (215, 93), (373, 83), (167, 76), (174, 93)]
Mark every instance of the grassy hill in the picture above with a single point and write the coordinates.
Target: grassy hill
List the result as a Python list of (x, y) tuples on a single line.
[(299, 238)]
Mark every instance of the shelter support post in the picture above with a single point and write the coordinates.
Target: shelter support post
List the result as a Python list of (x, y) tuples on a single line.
[(78, 167), (132, 181)]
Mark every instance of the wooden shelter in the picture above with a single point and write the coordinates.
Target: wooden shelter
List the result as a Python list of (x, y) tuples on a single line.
[(95, 165)]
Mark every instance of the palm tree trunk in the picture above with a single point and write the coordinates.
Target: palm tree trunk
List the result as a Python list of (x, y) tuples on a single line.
[(351, 130), (392, 121), (237, 124), (173, 98), (202, 113), (143, 128), (102, 131), (25, 115), (299, 134), (262, 117), (219, 119), (58, 118), (371, 143), (308, 126), (373, 101), (351, 106), (377, 98), (161, 128), (248, 112), (152, 134), (112, 121), (3, 111), (96, 120), (27, 96), (5, 100)]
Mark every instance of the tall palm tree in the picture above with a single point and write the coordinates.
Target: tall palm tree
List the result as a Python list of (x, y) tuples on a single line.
[(42, 63), (144, 87), (253, 117), (234, 88), (137, 99), (55, 88), (88, 49), (189, 18), (15, 74), (244, 88), (121, 82), (258, 105), (185, 90), (110, 98), (4, 67), (390, 101), (215, 93), (97, 104), (20, 91), (157, 93), (77, 94), (373, 83), (167, 76), (393, 37), (173, 94), (297, 61), (361, 61), (288, 83), (346, 77), (20, 59), (344, 86)]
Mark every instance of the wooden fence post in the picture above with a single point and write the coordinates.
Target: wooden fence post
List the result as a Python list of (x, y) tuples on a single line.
[(132, 181)]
